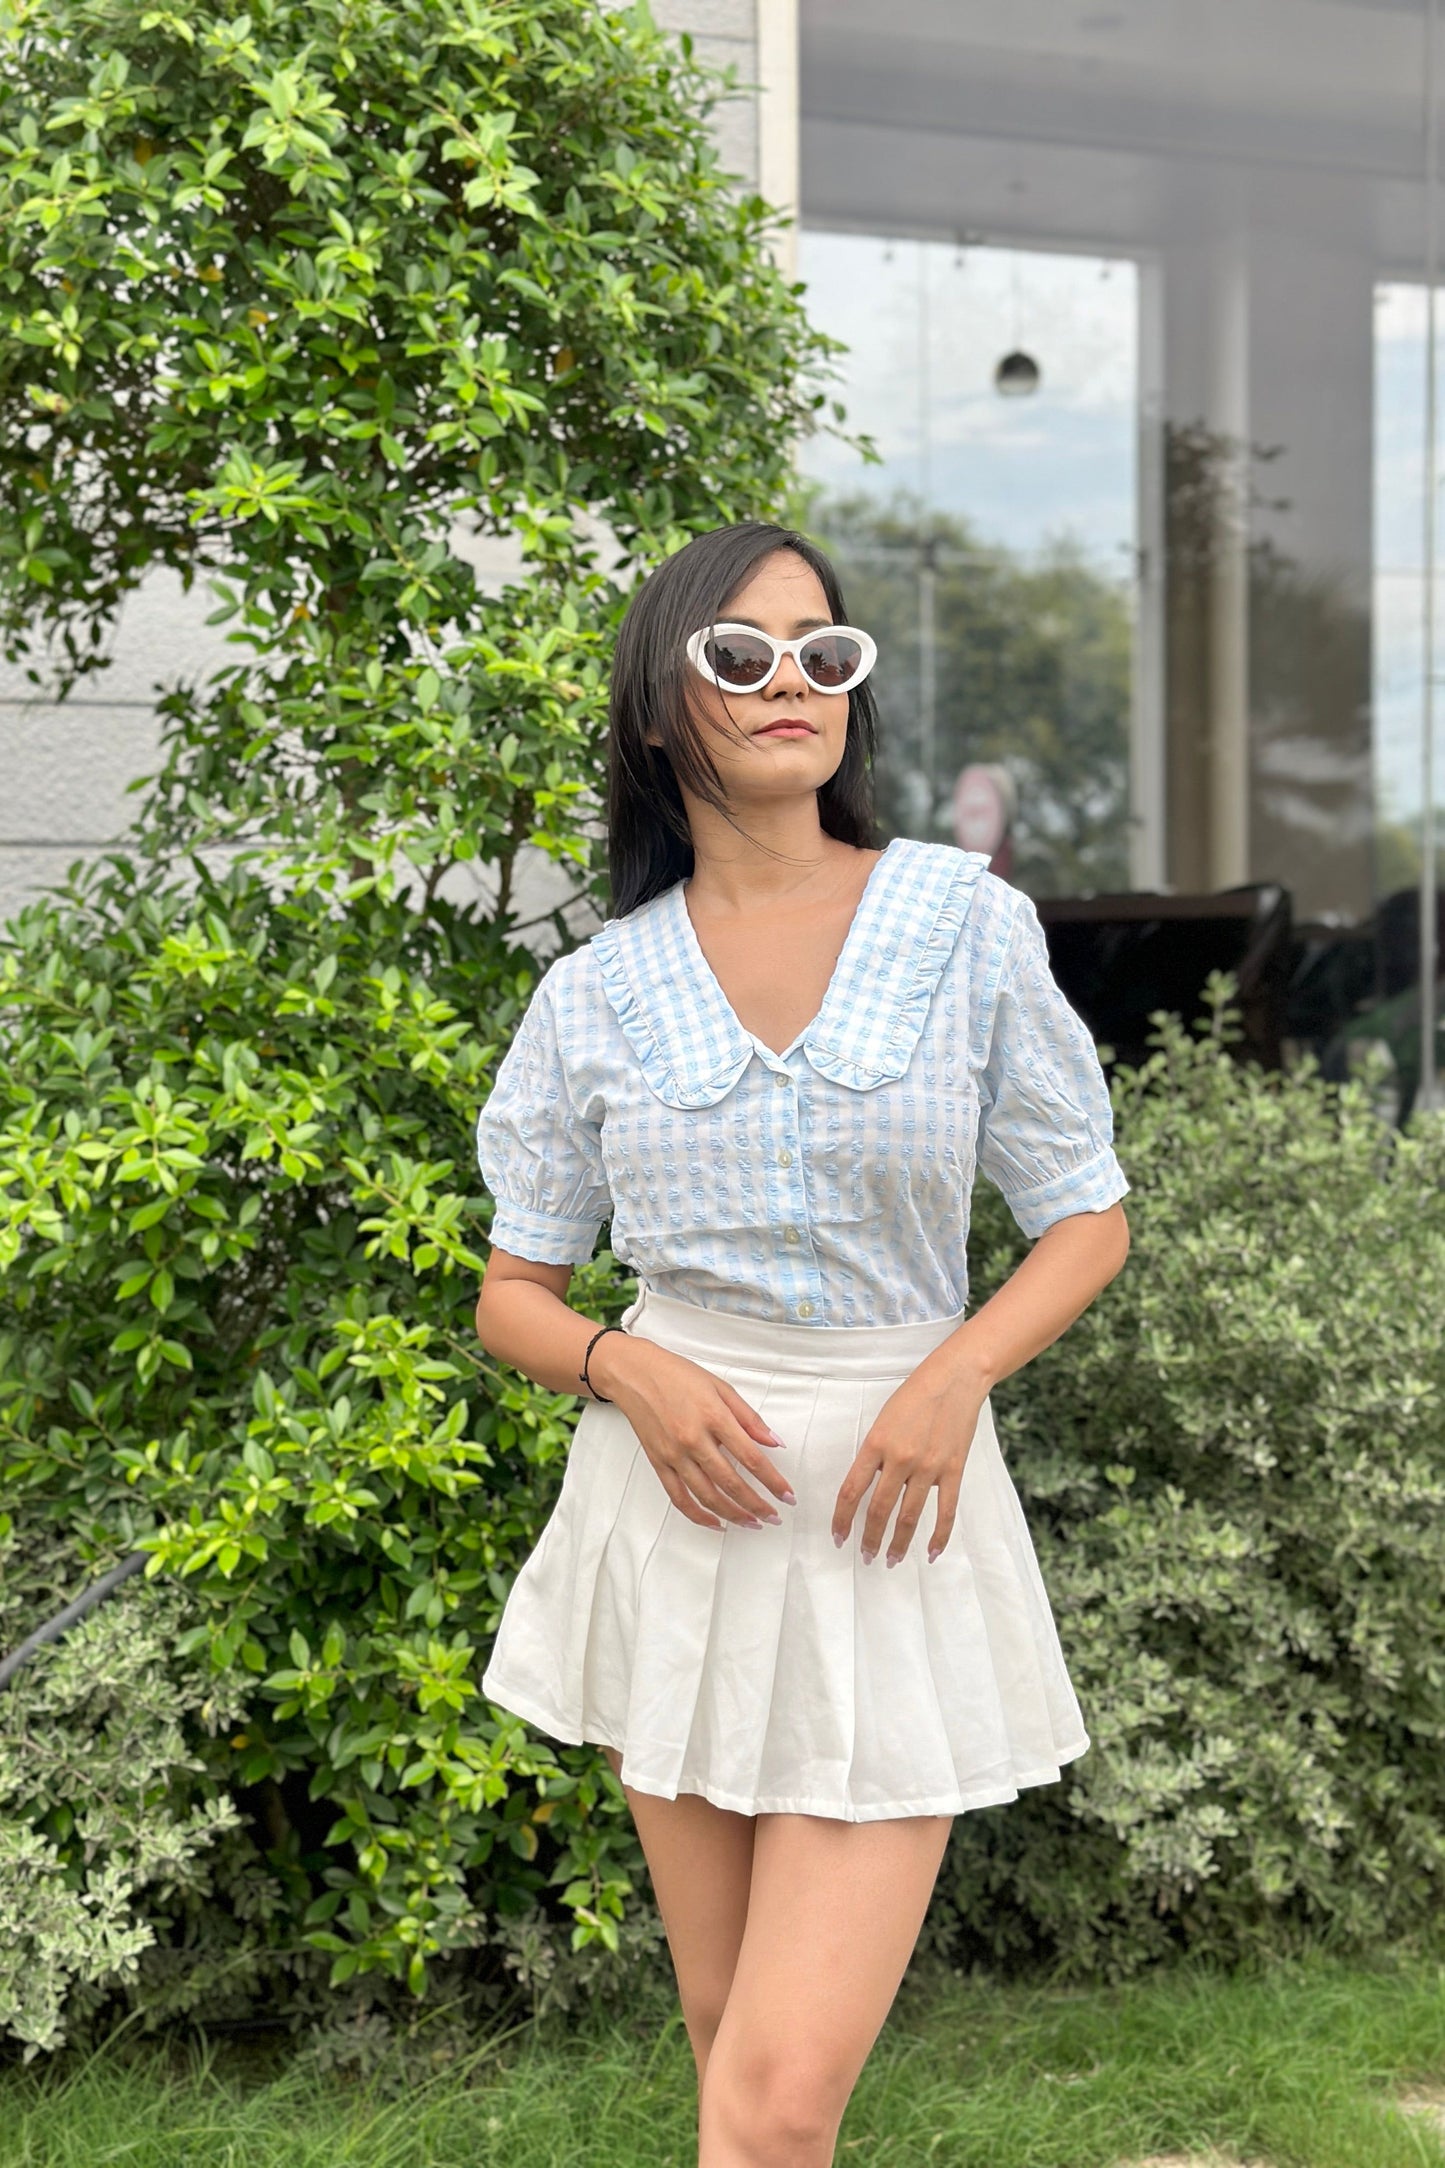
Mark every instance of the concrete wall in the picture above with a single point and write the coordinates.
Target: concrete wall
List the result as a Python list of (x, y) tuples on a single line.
[(64, 768), (724, 32)]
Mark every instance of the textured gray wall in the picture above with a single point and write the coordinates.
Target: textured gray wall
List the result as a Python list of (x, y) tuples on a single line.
[(723, 32), (64, 769)]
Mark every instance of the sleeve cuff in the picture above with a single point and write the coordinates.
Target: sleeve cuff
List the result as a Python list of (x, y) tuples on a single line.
[(1092, 1187), (542, 1239)]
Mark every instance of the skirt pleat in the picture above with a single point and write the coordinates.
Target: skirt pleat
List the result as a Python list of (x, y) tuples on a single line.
[(767, 1669)]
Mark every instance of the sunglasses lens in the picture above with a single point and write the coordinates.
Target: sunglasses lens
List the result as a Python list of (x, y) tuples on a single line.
[(739, 658), (831, 661)]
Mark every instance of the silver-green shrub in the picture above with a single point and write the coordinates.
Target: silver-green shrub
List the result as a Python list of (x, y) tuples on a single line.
[(102, 1821), (1234, 1465)]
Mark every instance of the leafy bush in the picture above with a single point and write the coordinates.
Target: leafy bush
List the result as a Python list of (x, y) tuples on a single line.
[(297, 301), (1234, 1465)]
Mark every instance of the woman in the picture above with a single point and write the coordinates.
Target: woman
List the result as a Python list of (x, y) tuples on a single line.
[(774, 1069)]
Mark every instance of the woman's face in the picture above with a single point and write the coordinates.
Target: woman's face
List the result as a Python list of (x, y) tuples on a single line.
[(788, 737)]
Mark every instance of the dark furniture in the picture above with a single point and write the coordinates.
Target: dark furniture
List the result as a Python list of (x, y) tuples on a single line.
[(1119, 958)]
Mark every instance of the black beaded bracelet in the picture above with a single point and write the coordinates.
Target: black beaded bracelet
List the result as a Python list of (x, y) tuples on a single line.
[(582, 1373)]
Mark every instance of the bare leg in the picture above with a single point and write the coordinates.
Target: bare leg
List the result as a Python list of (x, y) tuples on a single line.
[(833, 1916), (700, 1858)]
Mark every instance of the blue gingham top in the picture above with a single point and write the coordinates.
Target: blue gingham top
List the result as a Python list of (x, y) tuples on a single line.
[(830, 1183)]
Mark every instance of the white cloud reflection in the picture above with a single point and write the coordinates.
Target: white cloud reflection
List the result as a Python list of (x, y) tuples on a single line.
[(927, 323)]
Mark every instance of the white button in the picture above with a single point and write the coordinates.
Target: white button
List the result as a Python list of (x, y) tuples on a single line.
[(805, 1309), (780, 1076), (785, 1158)]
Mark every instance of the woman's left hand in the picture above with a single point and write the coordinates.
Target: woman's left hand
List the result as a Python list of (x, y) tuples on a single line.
[(924, 1430), (920, 1438)]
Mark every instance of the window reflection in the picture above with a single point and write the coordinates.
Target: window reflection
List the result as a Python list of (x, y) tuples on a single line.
[(1212, 230), (991, 550)]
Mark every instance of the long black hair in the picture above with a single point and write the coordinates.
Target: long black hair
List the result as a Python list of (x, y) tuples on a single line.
[(649, 845)]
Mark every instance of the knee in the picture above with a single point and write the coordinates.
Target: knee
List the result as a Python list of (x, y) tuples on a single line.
[(702, 2018), (772, 2109)]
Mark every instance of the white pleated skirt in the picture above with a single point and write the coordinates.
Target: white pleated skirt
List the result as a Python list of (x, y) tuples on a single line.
[(766, 1668)]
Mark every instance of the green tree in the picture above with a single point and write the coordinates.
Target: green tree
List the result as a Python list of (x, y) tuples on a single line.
[(294, 301), (1031, 666)]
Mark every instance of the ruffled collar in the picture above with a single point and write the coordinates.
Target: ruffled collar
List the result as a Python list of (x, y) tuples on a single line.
[(691, 1046)]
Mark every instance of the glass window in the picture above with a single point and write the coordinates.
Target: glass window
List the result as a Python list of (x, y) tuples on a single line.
[(1163, 576), (992, 549)]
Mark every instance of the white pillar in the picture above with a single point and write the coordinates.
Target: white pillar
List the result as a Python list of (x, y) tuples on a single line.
[(1206, 388), (778, 120), (1148, 812), (1311, 395)]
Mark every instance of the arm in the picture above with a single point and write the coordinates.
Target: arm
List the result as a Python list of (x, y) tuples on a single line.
[(523, 1318), (1071, 1263), (922, 1436), (1046, 1142), (693, 1427), (541, 1156)]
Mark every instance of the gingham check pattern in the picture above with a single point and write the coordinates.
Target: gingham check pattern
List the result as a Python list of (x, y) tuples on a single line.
[(828, 1184)]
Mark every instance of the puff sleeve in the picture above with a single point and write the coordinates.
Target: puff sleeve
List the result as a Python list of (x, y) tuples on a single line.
[(540, 1158), (1046, 1128)]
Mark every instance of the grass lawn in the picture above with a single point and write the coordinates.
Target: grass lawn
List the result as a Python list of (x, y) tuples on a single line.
[(1299, 2066)]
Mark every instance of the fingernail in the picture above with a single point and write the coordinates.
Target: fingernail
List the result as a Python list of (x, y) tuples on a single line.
[(868, 1557), (932, 1554), (839, 1539), (776, 1519), (773, 1438), (791, 1497), (894, 1561), (750, 1520)]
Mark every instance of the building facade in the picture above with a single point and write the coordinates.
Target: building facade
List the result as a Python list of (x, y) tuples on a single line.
[(1136, 296), (1206, 235)]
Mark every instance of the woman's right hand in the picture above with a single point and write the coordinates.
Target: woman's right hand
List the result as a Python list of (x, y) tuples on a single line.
[(693, 1428)]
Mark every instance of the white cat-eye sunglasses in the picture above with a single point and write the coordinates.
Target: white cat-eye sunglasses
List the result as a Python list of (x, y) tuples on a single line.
[(740, 659)]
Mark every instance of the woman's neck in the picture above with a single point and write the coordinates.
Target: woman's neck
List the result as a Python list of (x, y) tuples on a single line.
[(773, 852)]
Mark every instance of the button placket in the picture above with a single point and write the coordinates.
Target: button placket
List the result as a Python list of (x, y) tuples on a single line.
[(794, 1249)]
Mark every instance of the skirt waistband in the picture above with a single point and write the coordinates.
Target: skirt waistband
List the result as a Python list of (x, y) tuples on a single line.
[(834, 1351)]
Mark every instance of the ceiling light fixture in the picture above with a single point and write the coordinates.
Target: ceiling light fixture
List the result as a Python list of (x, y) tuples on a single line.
[(1018, 374)]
